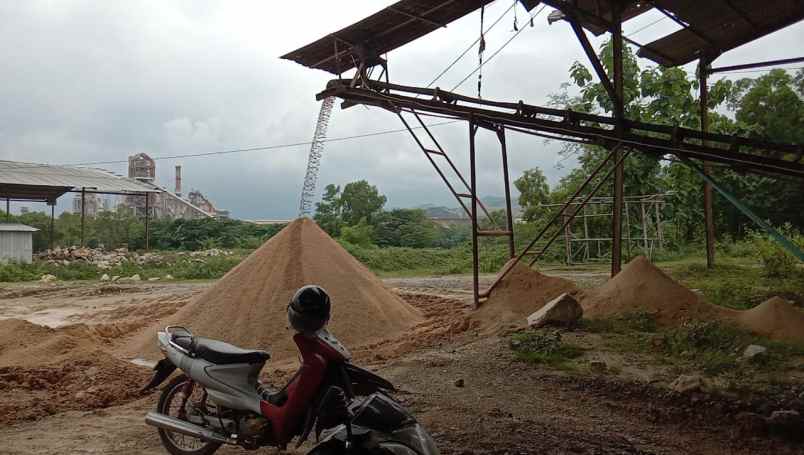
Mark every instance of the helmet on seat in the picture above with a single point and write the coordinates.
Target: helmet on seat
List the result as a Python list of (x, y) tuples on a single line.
[(309, 309)]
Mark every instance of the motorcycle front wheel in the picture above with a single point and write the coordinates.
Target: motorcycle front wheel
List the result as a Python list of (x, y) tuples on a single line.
[(173, 404)]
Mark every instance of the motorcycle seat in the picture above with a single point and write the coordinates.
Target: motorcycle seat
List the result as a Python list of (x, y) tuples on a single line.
[(220, 353)]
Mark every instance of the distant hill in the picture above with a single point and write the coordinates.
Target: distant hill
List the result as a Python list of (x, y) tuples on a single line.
[(442, 212)]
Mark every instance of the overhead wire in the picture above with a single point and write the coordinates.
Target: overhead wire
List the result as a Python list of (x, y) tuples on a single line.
[(497, 51), (469, 48), (262, 148)]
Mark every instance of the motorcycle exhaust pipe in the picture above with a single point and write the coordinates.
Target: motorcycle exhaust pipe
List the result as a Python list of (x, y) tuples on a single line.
[(186, 428)]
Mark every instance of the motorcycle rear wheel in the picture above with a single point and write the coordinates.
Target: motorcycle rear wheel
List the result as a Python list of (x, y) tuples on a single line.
[(178, 444)]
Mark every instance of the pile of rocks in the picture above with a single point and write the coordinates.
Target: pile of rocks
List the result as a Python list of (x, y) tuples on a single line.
[(107, 259)]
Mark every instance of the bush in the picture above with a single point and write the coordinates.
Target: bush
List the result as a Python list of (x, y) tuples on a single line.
[(776, 261), (543, 347)]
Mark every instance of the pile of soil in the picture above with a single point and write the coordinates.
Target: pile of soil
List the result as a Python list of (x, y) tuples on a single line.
[(247, 307), (44, 371), (776, 319), (446, 318), (642, 287), (522, 292)]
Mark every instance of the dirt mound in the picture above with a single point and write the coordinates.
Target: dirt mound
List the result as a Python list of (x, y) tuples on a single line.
[(775, 318), (516, 297), (247, 307), (642, 287), (25, 344), (87, 380)]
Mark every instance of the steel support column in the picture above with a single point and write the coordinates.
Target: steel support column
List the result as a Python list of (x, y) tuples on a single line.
[(473, 192), (509, 215), (147, 218), (8, 208), (83, 213), (703, 73), (52, 222), (619, 114)]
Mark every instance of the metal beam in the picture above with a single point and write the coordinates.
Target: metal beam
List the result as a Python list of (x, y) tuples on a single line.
[(726, 149), (619, 115), (509, 217), (745, 66), (596, 64), (473, 189)]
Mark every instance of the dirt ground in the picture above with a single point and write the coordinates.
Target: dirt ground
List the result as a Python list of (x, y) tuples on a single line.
[(504, 406)]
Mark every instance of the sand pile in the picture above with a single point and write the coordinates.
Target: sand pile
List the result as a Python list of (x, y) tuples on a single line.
[(522, 292), (642, 287), (26, 344), (247, 307), (775, 318)]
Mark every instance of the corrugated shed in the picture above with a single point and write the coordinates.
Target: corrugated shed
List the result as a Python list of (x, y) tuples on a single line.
[(16, 242)]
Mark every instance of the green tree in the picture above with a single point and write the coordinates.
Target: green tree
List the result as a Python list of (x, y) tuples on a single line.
[(533, 192), (359, 201), (405, 228), (360, 234), (328, 211)]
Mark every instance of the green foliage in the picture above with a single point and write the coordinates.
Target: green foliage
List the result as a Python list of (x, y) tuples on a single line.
[(533, 192), (711, 346), (360, 201), (543, 348), (776, 261), (405, 228), (360, 234), (328, 211), (639, 321)]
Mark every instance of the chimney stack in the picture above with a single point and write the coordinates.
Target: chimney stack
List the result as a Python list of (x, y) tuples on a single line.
[(178, 180)]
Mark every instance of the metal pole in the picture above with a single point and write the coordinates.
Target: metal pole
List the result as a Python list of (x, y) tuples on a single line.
[(568, 239), (619, 108), (147, 217), (509, 216), (628, 232), (473, 190), (586, 231), (644, 227), (83, 213), (703, 68), (52, 223), (659, 232)]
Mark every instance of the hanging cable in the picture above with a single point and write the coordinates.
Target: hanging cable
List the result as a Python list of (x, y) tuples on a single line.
[(480, 49)]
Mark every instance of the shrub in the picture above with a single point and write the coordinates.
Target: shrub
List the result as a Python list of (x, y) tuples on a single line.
[(543, 347), (776, 261)]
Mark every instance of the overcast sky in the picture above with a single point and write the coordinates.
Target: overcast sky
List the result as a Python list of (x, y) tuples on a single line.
[(86, 81)]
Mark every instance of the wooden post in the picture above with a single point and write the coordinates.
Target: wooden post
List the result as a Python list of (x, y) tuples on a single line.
[(586, 231), (568, 239), (703, 72), (659, 233), (619, 113), (627, 235)]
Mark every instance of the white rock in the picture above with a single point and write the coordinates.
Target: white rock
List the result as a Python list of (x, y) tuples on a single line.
[(105, 277), (753, 350), (155, 278), (564, 309), (47, 278), (687, 383), (168, 277), (135, 277), (116, 277)]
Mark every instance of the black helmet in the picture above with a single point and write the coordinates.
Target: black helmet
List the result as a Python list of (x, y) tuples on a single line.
[(309, 309)]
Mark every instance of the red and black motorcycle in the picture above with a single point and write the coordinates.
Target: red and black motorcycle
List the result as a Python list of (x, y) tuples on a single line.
[(219, 400)]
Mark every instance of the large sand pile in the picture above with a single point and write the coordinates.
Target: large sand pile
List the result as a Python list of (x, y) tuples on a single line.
[(775, 318), (247, 307), (642, 287), (522, 292)]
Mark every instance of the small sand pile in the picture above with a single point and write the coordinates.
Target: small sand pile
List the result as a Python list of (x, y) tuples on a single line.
[(247, 307), (44, 371), (775, 318), (522, 292)]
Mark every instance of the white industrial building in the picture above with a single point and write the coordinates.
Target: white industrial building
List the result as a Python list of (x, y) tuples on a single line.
[(16, 242)]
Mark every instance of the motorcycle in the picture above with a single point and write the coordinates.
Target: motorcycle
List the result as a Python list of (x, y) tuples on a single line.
[(219, 400)]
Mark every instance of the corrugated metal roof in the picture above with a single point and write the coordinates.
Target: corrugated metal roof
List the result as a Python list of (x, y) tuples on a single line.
[(22, 175), (384, 31), (717, 26), (16, 227)]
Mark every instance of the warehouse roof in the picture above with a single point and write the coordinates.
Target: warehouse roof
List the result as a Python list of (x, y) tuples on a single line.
[(16, 227), (34, 181), (709, 28)]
